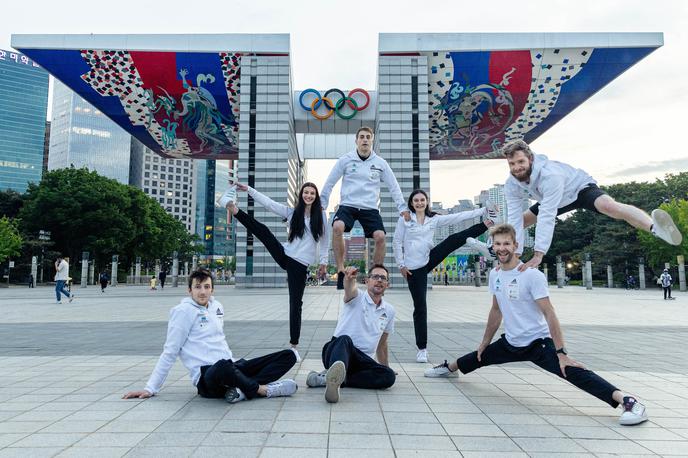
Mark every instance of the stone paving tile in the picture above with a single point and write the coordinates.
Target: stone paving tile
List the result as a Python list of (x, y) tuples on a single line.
[(345, 427), (96, 452), (234, 452), (493, 444), (30, 452), (270, 452), (667, 448), (359, 441), (49, 440)]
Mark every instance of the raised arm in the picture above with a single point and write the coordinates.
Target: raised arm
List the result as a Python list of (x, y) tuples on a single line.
[(350, 288), (177, 332), (394, 189), (335, 174), (514, 205), (275, 207)]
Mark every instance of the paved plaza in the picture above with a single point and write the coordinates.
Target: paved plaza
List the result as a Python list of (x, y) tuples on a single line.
[(65, 368)]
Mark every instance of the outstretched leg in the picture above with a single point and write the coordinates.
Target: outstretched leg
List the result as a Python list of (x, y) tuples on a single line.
[(263, 234), (451, 243)]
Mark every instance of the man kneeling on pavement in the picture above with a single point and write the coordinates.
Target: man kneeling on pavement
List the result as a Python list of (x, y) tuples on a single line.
[(365, 322)]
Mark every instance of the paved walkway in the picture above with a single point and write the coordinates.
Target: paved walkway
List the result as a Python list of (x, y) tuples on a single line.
[(65, 367)]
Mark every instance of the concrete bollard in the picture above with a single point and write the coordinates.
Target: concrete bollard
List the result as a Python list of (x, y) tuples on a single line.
[(84, 269)]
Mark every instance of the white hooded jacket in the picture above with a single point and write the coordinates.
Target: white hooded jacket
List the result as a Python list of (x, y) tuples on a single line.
[(195, 334), (554, 185), (361, 182)]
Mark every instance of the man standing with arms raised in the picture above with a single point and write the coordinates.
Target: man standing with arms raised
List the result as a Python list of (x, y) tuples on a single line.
[(361, 171)]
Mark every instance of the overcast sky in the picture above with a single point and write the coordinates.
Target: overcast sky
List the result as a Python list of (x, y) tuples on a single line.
[(629, 131)]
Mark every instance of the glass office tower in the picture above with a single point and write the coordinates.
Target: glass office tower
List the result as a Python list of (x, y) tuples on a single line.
[(82, 136), (23, 107)]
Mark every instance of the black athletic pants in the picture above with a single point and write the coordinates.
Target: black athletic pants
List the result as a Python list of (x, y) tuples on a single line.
[(246, 375), (296, 272), (418, 280), (667, 289), (362, 371), (542, 353)]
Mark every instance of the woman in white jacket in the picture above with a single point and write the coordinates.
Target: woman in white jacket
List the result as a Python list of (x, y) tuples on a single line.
[(306, 235), (416, 256)]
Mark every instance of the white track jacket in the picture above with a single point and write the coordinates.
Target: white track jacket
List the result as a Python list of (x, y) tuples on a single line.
[(196, 335), (554, 185), (361, 182)]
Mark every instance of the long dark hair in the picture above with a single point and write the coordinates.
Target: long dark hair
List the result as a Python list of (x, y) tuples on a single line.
[(428, 212), (297, 227)]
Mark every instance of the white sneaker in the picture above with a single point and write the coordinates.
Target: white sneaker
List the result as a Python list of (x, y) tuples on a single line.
[(441, 370), (229, 197), (485, 249), (492, 213), (316, 379), (634, 412), (333, 380), (663, 227), (285, 387), (296, 353), (422, 356), (71, 297)]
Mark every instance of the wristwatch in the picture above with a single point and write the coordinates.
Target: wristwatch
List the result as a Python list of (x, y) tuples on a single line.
[(562, 350)]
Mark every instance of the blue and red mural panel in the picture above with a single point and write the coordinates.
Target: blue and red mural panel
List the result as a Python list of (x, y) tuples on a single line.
[(480, 100), (178, 104)]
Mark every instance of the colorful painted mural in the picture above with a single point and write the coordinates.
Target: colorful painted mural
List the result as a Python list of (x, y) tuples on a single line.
[(183, 105), (480, 100)]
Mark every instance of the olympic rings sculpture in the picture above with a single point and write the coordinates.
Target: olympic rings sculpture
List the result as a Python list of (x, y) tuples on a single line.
[(334, 107)]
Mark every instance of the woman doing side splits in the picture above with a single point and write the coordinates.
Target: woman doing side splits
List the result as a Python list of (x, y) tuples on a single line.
[(416, 256), (307, 232)]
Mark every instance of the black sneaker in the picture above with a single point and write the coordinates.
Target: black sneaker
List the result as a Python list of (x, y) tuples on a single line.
[(340, 280), (233, 395)]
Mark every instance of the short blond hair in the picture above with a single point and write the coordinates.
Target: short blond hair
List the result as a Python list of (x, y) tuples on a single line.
[(515, 146), (503, 229)]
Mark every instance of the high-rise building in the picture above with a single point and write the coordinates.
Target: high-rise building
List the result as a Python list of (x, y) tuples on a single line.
[(46, 146), (82, 136), (168, 181), (214, 225), (23, 108)]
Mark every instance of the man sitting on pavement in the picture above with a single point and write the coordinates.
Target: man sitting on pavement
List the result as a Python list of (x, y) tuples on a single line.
[(365, 322), (195, 334), (532, 331)]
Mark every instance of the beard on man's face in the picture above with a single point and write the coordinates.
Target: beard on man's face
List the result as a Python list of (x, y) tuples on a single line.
[(525, 176)]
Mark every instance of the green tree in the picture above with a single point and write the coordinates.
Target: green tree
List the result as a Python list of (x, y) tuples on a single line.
[(87, 212), (658, 251), (10, 203), (10, 240)]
